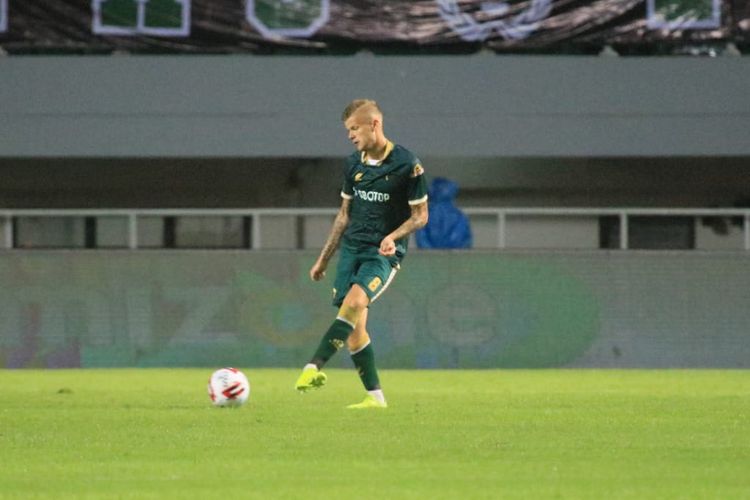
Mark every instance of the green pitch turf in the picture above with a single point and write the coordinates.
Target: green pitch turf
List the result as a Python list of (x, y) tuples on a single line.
[(447, 434)]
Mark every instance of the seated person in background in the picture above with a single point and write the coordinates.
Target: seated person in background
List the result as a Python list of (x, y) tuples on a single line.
[(448, 227)]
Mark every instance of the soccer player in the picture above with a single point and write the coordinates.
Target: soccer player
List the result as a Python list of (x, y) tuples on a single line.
[(384, 200)]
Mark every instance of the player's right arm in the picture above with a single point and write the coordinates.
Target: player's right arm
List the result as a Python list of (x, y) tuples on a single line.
[(318, 270)]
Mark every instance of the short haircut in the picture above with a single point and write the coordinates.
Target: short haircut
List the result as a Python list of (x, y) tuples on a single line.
[(360, 104)]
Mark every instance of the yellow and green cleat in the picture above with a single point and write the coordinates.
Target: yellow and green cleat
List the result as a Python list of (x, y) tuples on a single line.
[(311, 378), (369, 402)]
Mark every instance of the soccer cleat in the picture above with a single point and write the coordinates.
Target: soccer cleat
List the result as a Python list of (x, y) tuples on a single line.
[(369, 402), (311, 378)]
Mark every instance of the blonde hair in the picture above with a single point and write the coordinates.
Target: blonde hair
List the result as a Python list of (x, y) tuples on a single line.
[(365, 105)]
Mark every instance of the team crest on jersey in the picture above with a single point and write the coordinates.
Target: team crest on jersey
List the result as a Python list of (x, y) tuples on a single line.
[(470, 28), (417, 171), (358, 176)]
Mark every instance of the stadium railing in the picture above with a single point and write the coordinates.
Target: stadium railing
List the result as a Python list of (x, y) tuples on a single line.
[(259, 218)]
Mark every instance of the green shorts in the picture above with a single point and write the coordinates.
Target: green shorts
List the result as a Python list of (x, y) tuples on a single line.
[(367, 268)]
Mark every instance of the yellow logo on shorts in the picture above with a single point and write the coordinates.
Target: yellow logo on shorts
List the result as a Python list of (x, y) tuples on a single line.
[(374, 284)]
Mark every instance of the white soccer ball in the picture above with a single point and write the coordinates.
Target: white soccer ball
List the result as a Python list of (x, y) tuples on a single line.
[(228, 387)]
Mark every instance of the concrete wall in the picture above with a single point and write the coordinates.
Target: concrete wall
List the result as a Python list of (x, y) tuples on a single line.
[(479, 105)]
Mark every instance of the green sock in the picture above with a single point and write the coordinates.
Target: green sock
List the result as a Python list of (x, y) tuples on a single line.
[(332, 341), (364, 360)]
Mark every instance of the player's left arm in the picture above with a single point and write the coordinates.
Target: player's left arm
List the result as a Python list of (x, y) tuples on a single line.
[(417, 220)]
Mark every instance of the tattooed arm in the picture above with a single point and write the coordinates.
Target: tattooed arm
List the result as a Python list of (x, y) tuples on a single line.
[(318, 270), (417, 220)]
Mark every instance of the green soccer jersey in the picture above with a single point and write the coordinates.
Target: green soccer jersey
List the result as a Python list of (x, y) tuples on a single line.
[(381, 196)]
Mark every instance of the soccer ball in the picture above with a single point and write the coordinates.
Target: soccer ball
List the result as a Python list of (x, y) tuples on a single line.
[(228, 387)]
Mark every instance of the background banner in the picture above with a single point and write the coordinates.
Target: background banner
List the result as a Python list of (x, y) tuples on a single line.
[(338, 26), (444, 310)]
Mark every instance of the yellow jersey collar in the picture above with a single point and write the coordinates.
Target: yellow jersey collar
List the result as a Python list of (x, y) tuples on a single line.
[(388, 148)]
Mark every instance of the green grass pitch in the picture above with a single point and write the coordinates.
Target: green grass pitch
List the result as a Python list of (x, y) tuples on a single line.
[(447, 434)]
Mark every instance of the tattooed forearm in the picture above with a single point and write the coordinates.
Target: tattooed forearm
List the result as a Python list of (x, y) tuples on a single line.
[(417, 220), (339, 225)]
